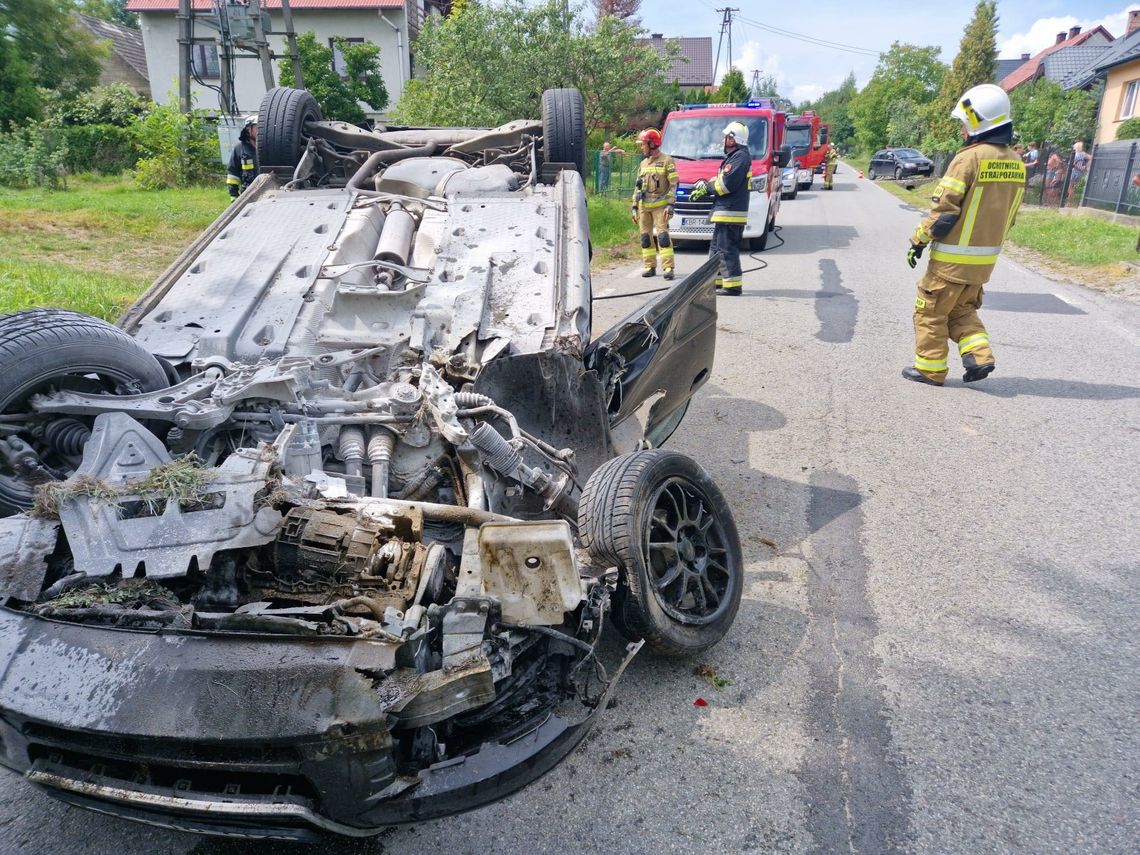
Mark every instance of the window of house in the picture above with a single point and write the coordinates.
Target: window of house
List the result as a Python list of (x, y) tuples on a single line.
[(1128, 108), (338, 57), (204, 58)]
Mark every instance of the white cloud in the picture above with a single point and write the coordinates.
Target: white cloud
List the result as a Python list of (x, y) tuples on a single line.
[(750, 58), (806, 92), (1044, 32)]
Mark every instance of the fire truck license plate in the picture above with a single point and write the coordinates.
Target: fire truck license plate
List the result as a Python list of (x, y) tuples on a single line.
[(694, 221)]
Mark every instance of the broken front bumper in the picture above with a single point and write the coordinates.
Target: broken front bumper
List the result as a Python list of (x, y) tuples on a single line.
[(238, 735)]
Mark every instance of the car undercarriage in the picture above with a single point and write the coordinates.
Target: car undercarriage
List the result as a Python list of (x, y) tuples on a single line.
[(323, 535)]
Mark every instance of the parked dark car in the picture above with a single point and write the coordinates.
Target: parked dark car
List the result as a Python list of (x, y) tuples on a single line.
[(899, 163), (323, 535)]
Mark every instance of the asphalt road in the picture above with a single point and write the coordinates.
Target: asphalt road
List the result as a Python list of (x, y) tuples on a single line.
[(937, 648)]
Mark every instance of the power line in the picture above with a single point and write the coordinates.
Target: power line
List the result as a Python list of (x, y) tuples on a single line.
[(811, 39)]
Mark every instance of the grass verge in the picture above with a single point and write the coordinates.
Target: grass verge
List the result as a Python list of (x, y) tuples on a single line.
[(612, 233), (96, 246), (1068, 239)]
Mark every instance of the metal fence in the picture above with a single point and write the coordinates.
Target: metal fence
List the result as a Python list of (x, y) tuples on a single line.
[(613, 173), (1114, 178), (1056, 179)]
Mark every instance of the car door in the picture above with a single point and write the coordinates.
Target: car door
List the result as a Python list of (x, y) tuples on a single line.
[(659, 355)]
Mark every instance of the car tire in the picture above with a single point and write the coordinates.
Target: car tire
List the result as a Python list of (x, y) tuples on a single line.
[(759, 244), (41, 347), (871, 174), (281, 121), (639, 509), (898, 173), (564, 128)]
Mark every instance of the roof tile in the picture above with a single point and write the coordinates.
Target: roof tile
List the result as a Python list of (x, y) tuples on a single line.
[(698, 71)]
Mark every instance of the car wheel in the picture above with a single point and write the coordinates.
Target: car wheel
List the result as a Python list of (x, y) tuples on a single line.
[(660, 518), (564, 128), (898, 173), (759, 244), (871, 173), (42, 349), (281, 121)]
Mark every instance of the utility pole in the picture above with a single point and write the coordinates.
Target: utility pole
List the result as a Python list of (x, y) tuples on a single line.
[(184, 56), (754, 90), (725, 27), (262, 45), (291, 40)]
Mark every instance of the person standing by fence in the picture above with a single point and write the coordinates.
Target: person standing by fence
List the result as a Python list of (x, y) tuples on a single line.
[(606, 165)]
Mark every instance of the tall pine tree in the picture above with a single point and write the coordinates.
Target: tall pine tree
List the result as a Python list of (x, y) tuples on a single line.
[(975, 63)]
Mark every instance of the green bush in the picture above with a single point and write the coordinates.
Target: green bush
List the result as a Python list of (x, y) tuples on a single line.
[(33, 156), (105, 149), (175, 150), (117, 105), (1129, 130)]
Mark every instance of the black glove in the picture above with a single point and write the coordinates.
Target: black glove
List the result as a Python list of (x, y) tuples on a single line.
[(914, 254)]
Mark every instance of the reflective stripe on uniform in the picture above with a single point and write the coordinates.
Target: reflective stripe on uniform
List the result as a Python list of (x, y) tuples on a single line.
[(248, 166), (971, 216), (728, 217), (731, 282), (930, 364), (972, 342), (719, 187), (959, 254), (660, 203), (953, 184), (233, 179), (1013, 209)]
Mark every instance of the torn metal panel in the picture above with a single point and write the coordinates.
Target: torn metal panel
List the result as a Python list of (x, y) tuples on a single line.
[(25, 544)]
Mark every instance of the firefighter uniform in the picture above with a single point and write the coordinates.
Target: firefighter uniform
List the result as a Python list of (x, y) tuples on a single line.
[(242, 168), (829, 167), (975, 205), (730, 190), (653, 198)]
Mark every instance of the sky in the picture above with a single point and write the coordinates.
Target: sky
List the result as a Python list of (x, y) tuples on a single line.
[(805, 71)]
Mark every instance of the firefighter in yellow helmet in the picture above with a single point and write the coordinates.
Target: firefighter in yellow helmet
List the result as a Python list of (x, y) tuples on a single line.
[(653, 197), (974, 207)]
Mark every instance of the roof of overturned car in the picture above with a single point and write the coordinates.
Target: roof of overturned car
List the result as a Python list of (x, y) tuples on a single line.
[(323, 534)]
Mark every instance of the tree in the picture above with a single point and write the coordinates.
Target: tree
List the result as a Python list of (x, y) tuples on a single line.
[(624, 10), (488, 64), (904, 73), (764, 85), (42, 45), (834, 108), (1045, 114), (732, 89), (974, 64), (339, 95), (114, 11)]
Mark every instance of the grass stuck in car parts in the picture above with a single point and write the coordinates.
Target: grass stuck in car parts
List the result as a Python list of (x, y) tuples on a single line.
[(96, 246)]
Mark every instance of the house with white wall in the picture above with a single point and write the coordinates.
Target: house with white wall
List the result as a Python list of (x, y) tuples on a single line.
[(390, 24)]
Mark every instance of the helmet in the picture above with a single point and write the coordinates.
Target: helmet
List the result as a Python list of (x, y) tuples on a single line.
[(983, 108), (737, 131), (249, 120), (650, 136)]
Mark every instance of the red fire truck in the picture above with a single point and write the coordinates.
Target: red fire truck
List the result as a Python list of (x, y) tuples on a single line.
[(694, 136), (808, 138)]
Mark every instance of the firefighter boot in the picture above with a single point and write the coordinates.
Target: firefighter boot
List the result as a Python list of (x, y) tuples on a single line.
[(912, 373), (974, 370), (648, 254)]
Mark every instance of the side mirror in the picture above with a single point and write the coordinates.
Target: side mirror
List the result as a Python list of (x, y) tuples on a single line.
[(783, 156)]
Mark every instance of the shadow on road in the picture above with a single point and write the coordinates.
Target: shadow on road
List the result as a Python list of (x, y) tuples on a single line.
[(802, 239), (1044, 387)]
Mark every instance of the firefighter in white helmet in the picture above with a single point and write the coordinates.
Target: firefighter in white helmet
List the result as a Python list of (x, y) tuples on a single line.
[(242, 168), (731, 189), (974, 207)]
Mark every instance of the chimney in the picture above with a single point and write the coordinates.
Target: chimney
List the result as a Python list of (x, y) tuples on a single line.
[(658, 35), (1060, 38), (1025, 56), (1074, 32), (1133, 21)]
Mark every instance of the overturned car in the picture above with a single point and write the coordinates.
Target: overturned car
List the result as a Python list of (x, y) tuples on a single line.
[(323, 535)]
